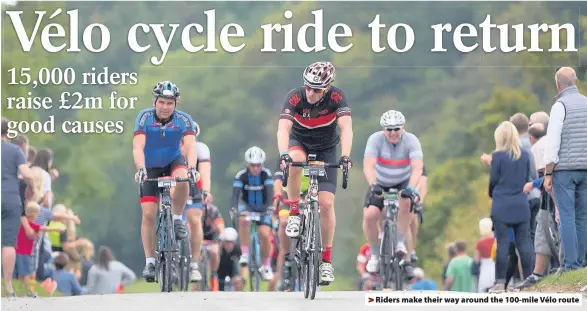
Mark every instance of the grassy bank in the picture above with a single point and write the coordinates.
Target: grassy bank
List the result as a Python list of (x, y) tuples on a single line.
[(572, 281), (20, 290)]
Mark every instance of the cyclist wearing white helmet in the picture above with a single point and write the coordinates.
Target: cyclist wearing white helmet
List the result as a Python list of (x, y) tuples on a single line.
[(393, 159), (193, 209), (307, 124), (229, 255), (255, 184)]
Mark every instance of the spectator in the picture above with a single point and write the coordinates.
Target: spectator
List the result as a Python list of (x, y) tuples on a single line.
[(108, 274), (366, 282), (510, 170), (566, 166), (24, 248), (539, 117), (421, 283), (86, 251), (13, 162), (482, 256), (522, 123), (31, 155), (451, 253), (67, 285), (458, 274), (44, 160)]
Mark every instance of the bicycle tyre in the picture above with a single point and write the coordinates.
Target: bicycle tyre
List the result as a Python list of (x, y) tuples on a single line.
[(305, 256), (184, 266), (395, 267), (203, 267), (168, 254), (551, 232), (384, 261), (258, 264), (316, 252)]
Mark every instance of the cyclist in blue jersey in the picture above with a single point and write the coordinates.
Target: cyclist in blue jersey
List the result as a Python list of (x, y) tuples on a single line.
[(158, 133), (255, 183)]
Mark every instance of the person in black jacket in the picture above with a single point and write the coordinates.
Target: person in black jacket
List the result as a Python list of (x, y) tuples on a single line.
[(510, 171)]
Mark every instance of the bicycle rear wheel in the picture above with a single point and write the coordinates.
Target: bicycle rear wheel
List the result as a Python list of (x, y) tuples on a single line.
[(203, 266), (184, 265)]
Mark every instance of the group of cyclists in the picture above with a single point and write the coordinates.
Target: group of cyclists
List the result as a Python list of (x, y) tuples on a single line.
[(165, 144)]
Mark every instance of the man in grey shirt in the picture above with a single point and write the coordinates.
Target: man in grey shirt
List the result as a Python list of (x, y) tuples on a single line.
[(13, 162), (566, 166)]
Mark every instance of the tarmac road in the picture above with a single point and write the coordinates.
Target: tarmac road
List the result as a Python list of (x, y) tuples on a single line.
[(241, 301)]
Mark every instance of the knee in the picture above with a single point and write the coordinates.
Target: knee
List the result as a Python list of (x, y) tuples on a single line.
[(326, 204), (195, 220), (404, 205), (213, 250), (264, 234), (149, 212), (371, 213)]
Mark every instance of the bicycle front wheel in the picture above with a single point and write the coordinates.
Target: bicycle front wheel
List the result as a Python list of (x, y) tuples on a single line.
[(386, 251), (316, 258)]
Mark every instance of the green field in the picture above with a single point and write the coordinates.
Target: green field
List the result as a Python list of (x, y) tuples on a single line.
[(572, 281)]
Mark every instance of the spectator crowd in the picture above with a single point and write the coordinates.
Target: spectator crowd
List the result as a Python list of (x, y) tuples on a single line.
[(39, 238)]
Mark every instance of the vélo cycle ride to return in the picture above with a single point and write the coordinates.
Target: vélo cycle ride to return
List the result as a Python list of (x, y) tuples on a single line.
[(307, 125), (158, 132)]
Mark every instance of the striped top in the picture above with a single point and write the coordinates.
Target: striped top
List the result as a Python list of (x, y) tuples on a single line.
[(393, 160)]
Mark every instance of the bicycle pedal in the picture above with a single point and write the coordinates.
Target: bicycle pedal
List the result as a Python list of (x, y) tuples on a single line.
[(323, 283)]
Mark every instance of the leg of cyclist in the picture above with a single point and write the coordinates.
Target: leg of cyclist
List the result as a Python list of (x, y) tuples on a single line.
[(294, 183), (327, 189), (284, 240), (372, 215), (193, 213), (403, 223), (149, 217), (264, 230), (422, 188), (214, 259), (243, 234), (179, 196)]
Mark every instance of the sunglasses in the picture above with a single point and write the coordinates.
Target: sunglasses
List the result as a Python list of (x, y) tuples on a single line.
[(393, 129), (308, 88)]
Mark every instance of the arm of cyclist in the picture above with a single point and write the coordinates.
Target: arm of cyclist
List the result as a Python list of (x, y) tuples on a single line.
[(370, 160), (269, 188), (237, 187), (277, 186), (189, 140), (139, 141), (416, 161), (205, 170), (286, 122), (345, 123)]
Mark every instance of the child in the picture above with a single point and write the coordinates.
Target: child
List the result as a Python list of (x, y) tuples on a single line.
[(458, 274), (67, 284), (24, 247)]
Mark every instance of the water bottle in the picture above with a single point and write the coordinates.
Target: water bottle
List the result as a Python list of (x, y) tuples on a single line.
[(227, 287)]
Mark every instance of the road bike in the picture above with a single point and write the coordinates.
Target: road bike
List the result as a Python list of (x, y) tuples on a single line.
[(255, 260), (308, 255), (203, 266), (390, 265), (166, 258), (551, 231)]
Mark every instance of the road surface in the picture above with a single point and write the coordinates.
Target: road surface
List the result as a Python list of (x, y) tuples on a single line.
[(227, 301)]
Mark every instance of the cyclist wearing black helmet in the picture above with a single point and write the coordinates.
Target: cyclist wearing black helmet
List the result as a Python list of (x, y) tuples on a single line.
[(158, 132)]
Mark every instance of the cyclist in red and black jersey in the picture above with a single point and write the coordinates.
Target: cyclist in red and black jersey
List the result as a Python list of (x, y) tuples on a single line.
[(308, 124)]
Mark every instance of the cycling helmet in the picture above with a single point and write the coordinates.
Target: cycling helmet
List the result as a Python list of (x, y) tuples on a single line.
[(197, 128), (166, 89), (319, 75), (230, 234), (392, 118), (255, 155)]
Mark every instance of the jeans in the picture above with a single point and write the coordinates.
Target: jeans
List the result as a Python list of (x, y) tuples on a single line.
[(570, 195), (523, 244)]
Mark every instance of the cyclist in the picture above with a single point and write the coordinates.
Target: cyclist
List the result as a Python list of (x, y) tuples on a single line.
[(193, 209), (229, 254), (213, 229), (274, 240), (280, 203), (367, 278), (393, 159), (308, 124), (422, 188), (158, 132), (255, 183)]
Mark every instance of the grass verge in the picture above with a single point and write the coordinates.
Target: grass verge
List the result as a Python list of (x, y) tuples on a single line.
[(572, 281), (20, 290)]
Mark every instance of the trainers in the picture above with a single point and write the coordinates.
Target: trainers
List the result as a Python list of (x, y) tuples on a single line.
[(326, 273), (372, 264), (529, 281), (409, 270), (180, 230), (149, 273), (195, 275), (244, 260), (266, 273), (401, 250), (292, 229), (497, 288), (414, 258)]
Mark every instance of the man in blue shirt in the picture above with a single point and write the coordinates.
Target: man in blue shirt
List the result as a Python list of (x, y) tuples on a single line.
[(158, 132)]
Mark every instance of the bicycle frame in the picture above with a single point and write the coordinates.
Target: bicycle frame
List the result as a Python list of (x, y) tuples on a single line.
[(255, 260), (388, 262)]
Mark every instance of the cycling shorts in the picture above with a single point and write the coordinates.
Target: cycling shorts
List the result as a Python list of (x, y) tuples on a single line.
[(150, 189), (378, 201), (265, 220), (326, 183), (196, 201)]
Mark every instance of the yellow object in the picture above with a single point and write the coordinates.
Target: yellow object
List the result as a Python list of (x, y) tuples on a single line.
[(284, 212), (55, 236), (494, 250)]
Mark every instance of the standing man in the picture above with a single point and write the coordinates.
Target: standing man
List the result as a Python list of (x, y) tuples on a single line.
[(307, 124), (566, 168)]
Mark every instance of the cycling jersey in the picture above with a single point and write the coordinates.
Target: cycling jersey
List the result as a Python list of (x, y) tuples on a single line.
[(257, 191), (314, 125), (305, 180), (163, 140), (393, 160), (211, 219)]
